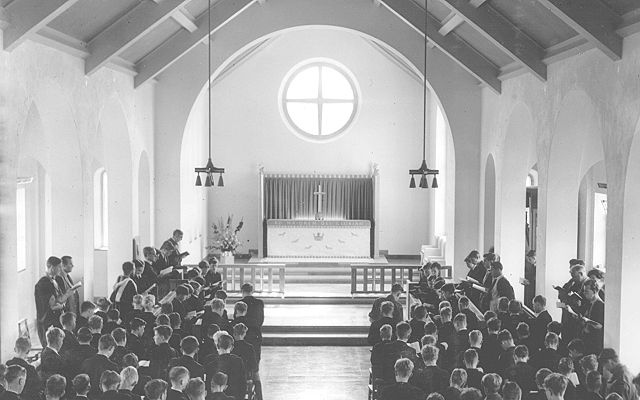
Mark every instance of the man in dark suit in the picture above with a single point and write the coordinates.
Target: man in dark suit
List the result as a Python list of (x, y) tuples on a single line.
[(83, 351), (539, 323), (491, 347), (68, 322), (219, 383), (474, 375), (430, 378), (87, 309), (213, 314), (402, 388), (172, 248), (124, 290), (505, 360), (50, 299), (386, 310), (189, 347), (245, 350), (54, 388), (571, 294), (33, 384), (81, 386), (156, 389), (161, 354), (131, 360), (420, 318), (592, 317), (109, 383), (96, 365), (95, 325), (255, 313), (65, 282), (51, 361), (129, 376), (254, 334), (522, 373), (135, 342), (208, 345), (144, 276), (549, 356), (460, 340), (178, 379), (15, 377), (394, 298), (232, 366), (120, 336)]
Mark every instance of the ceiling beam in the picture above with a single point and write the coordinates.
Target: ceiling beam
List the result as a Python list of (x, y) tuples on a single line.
[(503, 34), (476, 3), (452, 45), (182, 42), (28, 16), (124, 32), (591, 19), (186, 20), (451, 22)]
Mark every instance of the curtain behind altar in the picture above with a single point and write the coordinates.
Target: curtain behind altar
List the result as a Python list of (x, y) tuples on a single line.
[(346, 198)]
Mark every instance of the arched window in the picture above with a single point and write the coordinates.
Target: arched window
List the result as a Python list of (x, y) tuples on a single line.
[(101, 209), (319, 99)]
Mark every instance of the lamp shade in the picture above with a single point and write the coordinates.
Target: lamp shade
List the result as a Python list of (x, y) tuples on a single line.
[(209, 181), (198, 181), (412, 184), (423, 182), (220, 181), (434, 184)]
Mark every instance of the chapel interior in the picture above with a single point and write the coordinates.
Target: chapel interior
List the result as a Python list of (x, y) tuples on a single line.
[(316, 116)]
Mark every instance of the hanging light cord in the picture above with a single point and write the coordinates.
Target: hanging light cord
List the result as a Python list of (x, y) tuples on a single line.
[(424, 94), (209, 77)]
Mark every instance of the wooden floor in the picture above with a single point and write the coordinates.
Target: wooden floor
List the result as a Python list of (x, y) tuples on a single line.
[(315, 373)]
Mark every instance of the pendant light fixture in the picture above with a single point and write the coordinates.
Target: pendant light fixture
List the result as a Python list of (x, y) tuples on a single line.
[(209, 170), (424, 170)]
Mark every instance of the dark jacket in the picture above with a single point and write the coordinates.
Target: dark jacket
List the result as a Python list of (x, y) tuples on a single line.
[(374, 330), (51, 363), (94, 367), (374, 314), (159, 357), (33, 385), (173, 394), (402, 391), (196, 370), (233, 366), (430, 379)]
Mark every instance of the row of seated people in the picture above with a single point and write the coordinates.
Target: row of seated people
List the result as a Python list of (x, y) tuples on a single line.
[(152, 342), (515, 354)]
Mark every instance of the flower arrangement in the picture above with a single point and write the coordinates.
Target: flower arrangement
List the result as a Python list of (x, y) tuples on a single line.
[(225, 236)]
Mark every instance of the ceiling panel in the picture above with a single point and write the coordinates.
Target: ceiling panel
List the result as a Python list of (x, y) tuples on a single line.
[(622, 6), (535, 20), (85, 19), (151, 40)]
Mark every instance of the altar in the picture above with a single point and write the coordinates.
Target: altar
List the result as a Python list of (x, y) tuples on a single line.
[(319, 239)]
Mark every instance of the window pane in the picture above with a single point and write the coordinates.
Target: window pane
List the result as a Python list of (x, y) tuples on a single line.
[(335, 116), (304, 116), (21, 219), (105, 211), (305, 84), (335, 85)]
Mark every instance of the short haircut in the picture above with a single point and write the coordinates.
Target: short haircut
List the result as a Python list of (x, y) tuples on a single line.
[(515, 306), (446, 312), (148, 251), (504, 336), (220, 294), (66, 259), (219, 379), (470, 357), (106, 342), (491, 383), (460, 321), (55, 337), (127, 267), (110, 380), (593, 381), (541, 375), (463, 302), (87, 306), (195, 389), (23, 344), (551, 339), (386, 308), (458, 377), (240, 329), (475, 336), (177, 232), (521, 351), (556, 384), (55, 386), (163, 331), (14, 372), (592, 284), (595, 273), (430, 328), (247, 288), (119, 335), (149, 300), (403, 330), (430, 353), (189, 345), (177, 374), (84, 335), (240, 307), (217, 305), (443, 304), (95, 323), (428, 340), (113, 314), (81, 384), (503, 304), (129, 374), (589, 363), (565, 366), (154, 389), (137, 323), (420, 312), (67, 319), (225, 342), (163, 319), (471, 394), (175, 320), (212, 329), (53, 261), (130, 360), (494, 324), (576, 345), (523, 329), (540, 299), (555, 327), (403, 367), (137, 299), (511, 391)]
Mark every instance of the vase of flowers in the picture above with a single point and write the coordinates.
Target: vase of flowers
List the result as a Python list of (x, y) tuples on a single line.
[(225, 239)]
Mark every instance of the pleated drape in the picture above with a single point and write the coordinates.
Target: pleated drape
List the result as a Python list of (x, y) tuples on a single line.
[(292, 197)]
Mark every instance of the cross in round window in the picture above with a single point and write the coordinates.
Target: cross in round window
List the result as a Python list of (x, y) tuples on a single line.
[(319, 100)]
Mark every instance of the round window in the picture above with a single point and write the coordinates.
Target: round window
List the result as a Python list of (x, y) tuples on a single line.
[(319, 99)]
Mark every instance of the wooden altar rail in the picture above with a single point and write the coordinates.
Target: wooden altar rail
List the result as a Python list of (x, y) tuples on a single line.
[(378, 278), (261, 276)]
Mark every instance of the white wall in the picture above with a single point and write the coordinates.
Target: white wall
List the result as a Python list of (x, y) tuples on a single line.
[(68, 125)]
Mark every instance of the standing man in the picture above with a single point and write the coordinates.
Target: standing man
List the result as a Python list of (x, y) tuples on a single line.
[(171, 247), (571, 295), (529, 280), (65, 282), (255, 314), (498, 286), (393, 297), (50, 299)]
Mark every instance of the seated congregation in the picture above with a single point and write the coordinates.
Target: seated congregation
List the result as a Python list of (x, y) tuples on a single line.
[(452, 348), (181, 347)]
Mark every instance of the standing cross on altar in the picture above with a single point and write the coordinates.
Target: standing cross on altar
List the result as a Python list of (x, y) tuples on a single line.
[(319, 193)]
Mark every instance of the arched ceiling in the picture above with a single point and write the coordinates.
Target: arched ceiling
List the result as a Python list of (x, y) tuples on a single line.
[(493, 40)]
